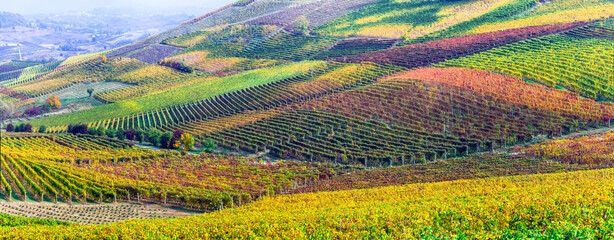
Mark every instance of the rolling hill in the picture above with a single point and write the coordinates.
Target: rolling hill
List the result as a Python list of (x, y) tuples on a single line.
[(319, 119)]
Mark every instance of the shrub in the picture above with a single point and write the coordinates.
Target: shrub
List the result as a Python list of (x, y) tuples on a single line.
[(139, 135), (129, 133), (153, 137), (120, 134), (209, 146), (33, 111), (110, 133), (79, 129), (53, 102), (27, 128), (19, 127), (188, 141), (92, 131), (10, 127), (175, 142), (102, 131), (42, 129), (165, 139)]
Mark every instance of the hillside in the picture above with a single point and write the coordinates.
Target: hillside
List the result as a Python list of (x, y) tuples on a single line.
[(319, 119)]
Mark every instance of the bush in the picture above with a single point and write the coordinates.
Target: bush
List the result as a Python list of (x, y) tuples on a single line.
[(33, 111), (129, 133), (19, 128), (28, 128), (78, 129), (175, 142), (153, 136), (165, 140), (10, 127), (92, 131), (110, 133), (53, 102), (102, 131), (188, 141), (42, 129), (120, 134), (209, 146), (139, 135)]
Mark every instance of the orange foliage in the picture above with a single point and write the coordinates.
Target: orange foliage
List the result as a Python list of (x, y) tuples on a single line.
[(53, 102)]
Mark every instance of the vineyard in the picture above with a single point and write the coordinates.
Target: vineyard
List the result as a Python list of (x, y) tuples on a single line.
[(287, 46), (559, 11), (208, 88), (322, 119), (236, 34), (424, 54), (583, 65), (202, 61), (353, 47), (149, 80), (476, 166), (63, 214), (86, 169), (94, 70), (593, 149), (406, 19), (507, 206), (30, 73), (315, 12)]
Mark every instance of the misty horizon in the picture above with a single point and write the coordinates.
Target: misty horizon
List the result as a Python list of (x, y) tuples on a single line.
[(40, 7)]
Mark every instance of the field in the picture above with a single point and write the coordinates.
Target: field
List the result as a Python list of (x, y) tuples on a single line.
[(207, 88), (434, 210), (323, 119), (89, 213), (477, 166), (424, 54), (79, 91), (84, 168), (68, 75), (593, 149), (407, 19), (549, 60)]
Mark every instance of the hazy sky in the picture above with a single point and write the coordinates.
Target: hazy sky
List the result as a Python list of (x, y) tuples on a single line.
[(56, 6)]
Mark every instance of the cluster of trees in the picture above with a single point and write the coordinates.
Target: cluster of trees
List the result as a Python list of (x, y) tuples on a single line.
[(171, 140), (52, 102), (181, 66), (24, 127)]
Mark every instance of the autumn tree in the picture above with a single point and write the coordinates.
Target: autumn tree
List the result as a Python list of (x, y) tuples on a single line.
[(53, 102), (302, 25), (188, 141)]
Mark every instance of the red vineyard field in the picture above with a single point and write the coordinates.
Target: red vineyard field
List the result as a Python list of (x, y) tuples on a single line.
[(424, 54)]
